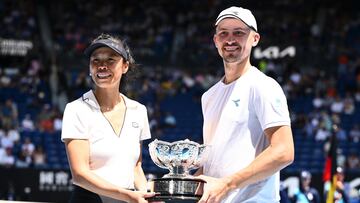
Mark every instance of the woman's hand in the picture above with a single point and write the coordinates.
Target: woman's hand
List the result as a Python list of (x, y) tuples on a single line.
[(139, 196)]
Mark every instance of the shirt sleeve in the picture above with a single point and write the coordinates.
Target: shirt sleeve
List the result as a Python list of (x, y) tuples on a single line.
[(145, 131), (271, 105), (73, 123)]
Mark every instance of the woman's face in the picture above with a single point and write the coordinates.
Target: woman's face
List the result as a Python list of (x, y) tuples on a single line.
[(107, 67)]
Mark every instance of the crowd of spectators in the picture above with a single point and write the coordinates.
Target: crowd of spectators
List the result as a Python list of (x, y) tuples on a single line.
[(18, 20)]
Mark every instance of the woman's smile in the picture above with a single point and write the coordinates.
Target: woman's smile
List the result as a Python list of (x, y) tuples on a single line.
[(103, 75)]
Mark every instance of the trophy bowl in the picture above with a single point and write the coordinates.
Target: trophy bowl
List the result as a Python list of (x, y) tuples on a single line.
[(179, 158)]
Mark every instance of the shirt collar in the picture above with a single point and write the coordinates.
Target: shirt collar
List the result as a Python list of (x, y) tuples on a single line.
[(90, 99)]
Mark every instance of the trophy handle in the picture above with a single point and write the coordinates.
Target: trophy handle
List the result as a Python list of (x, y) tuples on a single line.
[(201, 157)]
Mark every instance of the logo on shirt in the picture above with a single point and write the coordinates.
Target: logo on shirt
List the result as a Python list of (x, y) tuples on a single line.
[(135, 124), (277, 103), (236, 102)]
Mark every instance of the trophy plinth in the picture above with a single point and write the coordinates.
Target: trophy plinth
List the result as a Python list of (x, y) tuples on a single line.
[(179, 158)]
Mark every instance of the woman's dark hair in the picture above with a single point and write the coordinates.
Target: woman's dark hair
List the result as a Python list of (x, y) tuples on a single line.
[(132, 72)]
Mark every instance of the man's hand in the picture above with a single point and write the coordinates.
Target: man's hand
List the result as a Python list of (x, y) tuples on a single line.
[(215, 189), (339, 185)]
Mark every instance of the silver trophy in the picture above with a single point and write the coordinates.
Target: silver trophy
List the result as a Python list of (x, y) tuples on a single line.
[(179, 158)]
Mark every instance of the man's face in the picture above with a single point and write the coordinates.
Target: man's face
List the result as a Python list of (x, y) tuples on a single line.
[(234, 40), (340, 176), (305, 181)]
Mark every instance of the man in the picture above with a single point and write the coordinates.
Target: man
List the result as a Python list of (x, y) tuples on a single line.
[(246, 120), (341, 193), (305, 193)]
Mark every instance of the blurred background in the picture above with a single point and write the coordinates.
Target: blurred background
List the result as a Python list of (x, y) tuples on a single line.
[(312, 48)]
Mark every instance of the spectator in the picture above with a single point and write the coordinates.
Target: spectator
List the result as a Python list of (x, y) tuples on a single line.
[(169, 120), (357, 95), (341, 134), (318, 101), (322, 134), (153, 123), (12, 134), (5, 80), (27, 124), (325, 121), (9, 113), (295, 77), (28, 147), (349, 106), (305, 193), (188, 80), (353, 161), (355, 133), (7, 160), (6, 140), (22, 161), (338, 105), (45, 119), (2, 152), (341, 158), (39, 157), (342, 188), (57, 123), (284, 197)]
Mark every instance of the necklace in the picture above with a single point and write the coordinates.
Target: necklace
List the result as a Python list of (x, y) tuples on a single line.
[(103, 108), (106, 108)]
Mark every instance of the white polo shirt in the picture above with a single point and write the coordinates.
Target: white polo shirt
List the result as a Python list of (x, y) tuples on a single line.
[(112, 157), (235, 117)]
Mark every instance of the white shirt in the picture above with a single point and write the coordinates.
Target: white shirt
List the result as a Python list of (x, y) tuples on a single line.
[(337, 106), (112, 157), (7, 141), (6, 158), (27, 124), (28, 147), (235, 117)]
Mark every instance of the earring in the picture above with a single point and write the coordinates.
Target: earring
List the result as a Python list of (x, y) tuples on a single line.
[(90, 74)]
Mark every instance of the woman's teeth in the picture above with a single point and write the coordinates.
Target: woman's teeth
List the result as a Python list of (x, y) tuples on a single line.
[(103, 75)]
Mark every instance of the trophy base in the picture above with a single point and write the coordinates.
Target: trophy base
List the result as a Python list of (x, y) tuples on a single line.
[(184, 190), (173, 199)]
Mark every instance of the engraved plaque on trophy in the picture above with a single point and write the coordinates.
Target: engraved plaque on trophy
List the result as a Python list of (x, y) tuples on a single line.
[(179, 158)]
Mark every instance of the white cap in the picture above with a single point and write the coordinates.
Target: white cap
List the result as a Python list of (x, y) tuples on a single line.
[(242, 14)]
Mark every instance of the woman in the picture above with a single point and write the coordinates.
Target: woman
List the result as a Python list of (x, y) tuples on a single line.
[(103, 131)]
